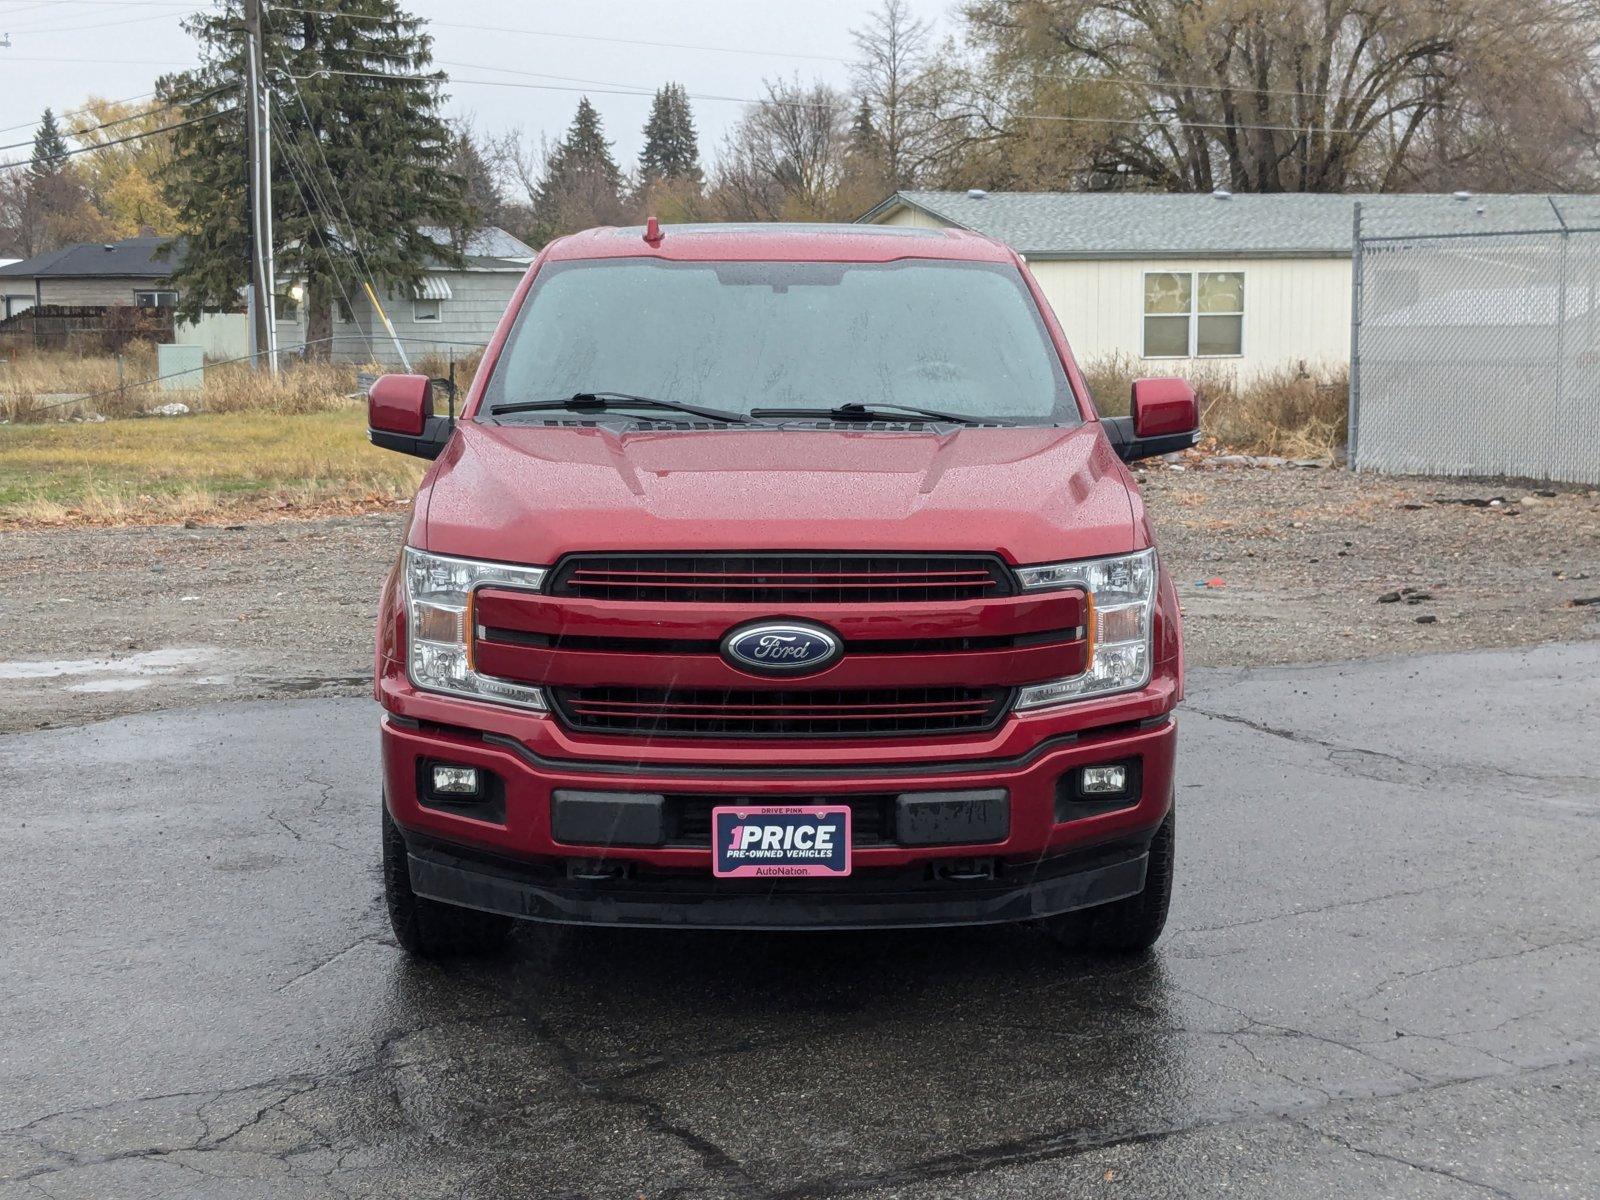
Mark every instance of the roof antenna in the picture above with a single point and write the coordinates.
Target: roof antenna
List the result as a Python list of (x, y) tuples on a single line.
[(652, 231)]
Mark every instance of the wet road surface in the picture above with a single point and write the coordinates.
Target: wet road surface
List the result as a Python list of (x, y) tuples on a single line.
[(1382, 978)]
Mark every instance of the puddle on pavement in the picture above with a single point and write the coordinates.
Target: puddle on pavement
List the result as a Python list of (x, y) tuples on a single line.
[(109, 685), (112, 673)]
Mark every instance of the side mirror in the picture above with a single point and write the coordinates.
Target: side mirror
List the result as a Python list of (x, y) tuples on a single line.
[(1166, 417), (400, 416)]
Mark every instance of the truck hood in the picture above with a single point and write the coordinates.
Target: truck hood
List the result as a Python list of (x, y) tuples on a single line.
[(529, 494)]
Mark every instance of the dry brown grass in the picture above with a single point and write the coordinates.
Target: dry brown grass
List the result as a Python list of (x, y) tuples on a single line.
[(1289, 412), (57, 387), (438, 366), (206, 466)]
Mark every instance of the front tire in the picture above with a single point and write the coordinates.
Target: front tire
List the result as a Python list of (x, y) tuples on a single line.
[(1131, 925), (428, 928)]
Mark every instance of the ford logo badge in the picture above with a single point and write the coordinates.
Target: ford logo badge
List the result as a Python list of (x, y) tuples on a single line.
[(781, 648)]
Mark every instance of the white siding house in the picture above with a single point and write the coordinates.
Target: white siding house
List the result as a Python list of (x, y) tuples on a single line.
[(1247, 283), (452, 309)]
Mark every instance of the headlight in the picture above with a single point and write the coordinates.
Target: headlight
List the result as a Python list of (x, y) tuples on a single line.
[(1122, 593), (439, 626)]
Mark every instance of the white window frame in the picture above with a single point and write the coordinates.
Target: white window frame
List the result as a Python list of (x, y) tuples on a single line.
[(1194, 314), (173, 292), (438, 311), (279, 308)]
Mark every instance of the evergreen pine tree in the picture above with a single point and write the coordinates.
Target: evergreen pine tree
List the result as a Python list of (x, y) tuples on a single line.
[(362, 186), (671, 148), (49, 149), (865, 142), (482, 199), (581, 185)]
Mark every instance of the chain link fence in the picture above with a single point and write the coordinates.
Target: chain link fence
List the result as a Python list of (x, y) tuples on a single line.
[(1477, 351)]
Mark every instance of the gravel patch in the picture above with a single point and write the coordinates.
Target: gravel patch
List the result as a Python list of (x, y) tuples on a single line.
[(1273, 565)]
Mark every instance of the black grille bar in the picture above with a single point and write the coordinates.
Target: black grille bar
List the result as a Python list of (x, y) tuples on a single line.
[(782, 578)]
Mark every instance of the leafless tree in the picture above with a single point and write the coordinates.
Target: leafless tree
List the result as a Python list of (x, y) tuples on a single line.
[(890, 75), (1272, 95), (786, 157)]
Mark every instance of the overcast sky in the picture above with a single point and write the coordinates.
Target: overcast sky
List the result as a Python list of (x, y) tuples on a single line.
[(63, 51)]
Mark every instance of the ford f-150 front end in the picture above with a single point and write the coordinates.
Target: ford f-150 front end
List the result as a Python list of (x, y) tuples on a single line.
[(784, 578)]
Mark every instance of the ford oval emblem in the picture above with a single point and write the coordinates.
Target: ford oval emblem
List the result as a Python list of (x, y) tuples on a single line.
[(781, 648)]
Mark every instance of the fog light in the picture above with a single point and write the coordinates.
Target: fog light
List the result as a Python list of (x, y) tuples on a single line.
[(455, 781), (1102, 781)]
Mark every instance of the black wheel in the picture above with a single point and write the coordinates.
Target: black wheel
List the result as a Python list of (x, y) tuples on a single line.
[(427, 928), (1130, 925)]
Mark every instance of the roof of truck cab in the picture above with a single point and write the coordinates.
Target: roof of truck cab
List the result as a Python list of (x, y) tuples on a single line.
[(781, 242)]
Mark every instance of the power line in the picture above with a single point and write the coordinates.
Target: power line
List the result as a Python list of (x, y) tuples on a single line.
[(46, 30), (132, 137), (303, 178), (579, 37), (67, 114), (78, 135), (363, 265), (1120, 80), (113, 62), (633, 90), (225, 362)]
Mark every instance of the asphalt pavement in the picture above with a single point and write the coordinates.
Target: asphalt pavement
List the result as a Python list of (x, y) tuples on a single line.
[(1382, 978)]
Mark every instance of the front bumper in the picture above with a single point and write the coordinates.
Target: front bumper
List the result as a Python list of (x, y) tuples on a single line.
[(508, 859), (873, 900)]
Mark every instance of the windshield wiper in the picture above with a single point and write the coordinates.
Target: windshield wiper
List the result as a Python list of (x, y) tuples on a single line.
[(609, 401), (874, 412)]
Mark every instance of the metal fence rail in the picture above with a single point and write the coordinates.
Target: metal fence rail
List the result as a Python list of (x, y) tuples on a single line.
[(1478, 353)]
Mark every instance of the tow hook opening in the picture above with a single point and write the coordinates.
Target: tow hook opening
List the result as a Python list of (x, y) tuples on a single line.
[(964, 870), (597, 870)]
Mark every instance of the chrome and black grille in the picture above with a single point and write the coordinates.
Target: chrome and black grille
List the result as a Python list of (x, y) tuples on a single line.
[(797, 713), (768, 579)]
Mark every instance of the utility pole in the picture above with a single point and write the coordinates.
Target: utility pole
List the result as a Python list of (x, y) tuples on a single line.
[(258, 131)]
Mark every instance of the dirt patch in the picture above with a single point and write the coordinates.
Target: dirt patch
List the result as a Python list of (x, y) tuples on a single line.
[(1272, 566)]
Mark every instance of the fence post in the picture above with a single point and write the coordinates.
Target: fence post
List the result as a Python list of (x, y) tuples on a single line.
[(1353, 415), (1561, 317)]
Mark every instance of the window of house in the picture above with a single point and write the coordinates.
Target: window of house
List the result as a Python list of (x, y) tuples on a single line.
[(1193, 314), (425, 310), (155, 298), (286, 308)]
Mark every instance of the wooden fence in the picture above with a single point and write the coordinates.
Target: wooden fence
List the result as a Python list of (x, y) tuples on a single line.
[(84, 328)]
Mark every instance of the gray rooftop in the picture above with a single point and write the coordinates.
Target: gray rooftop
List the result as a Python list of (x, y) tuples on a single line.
[(492, 244), (136, 258), (1148, 224), (488, 249)]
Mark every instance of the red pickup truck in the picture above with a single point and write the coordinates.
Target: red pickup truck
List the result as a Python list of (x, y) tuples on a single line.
[(778, 577)]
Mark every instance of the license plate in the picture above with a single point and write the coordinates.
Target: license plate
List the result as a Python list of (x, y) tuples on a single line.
[(778, 841)]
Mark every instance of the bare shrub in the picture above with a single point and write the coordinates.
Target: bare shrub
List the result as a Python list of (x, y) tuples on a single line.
[(1291, 411), (58, 387)]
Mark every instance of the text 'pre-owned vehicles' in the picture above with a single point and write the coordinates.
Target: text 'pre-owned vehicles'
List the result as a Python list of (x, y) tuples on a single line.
[(778, 577)]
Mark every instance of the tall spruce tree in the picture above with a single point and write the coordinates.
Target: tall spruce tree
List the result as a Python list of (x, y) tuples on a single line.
[(50, 151), (581, 185), (362, 187), (671, 148), (865, 143)]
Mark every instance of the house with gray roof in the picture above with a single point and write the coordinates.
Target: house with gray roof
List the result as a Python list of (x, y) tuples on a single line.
[(133, 272), (1243, 283), (450, 310)]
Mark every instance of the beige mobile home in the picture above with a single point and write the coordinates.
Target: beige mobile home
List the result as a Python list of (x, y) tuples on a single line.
[(1247, 283)]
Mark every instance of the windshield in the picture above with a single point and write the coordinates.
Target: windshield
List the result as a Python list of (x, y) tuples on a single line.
[(965, 338)]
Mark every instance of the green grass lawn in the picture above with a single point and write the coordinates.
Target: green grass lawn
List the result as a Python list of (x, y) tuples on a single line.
[(157, 469)]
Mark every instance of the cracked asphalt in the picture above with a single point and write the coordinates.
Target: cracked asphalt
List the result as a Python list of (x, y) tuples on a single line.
[(1382, 978)]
